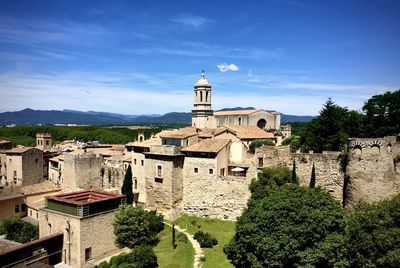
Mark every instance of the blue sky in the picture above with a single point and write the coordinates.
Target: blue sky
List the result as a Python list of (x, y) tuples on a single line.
[(141, 57)]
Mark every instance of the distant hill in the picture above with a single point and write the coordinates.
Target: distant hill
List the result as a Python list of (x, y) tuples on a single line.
[(51, 117)]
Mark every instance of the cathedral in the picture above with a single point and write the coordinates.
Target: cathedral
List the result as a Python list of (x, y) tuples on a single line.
[(204, 117)]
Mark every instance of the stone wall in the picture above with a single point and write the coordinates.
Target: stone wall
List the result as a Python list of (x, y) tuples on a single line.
[(95, 232), (371, 170), (165, 191), (82, 171), (210, 195)]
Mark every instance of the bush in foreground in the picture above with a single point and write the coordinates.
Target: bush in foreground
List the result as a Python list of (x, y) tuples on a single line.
[(205, 239), (139, 257)]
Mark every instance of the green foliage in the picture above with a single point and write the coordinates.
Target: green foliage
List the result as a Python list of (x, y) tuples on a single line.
[(293, 141), (181, 237), (127, 185), (19, 231), (269, 178), (313, 177), (136, 227), (330, 130), (173, 237), (382, 114), (294, 175), (290, 226), (26, 135), (205, 239), (374, 234), (396, 159), (258, 143), (139, 257)]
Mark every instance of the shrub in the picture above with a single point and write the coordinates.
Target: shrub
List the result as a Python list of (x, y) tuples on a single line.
[(19, 231), (140, 257), (181, 237), (205, 239), (258, 143)]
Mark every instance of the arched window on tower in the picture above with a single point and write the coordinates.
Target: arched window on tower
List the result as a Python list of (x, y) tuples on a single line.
[(240, 121), (201, 96), (207, 96)]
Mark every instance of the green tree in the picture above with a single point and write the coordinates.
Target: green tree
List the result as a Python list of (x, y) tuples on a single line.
[(330, 130), (139, 257), (313, 177), (290, 226), (136, 227), (17, 230), (383, 114), (127, 185), (294, 175), (293, 141), (269, 178), (373, 232), (258, 143)]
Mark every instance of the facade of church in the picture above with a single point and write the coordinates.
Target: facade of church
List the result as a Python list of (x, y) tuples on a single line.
[(204, 117)]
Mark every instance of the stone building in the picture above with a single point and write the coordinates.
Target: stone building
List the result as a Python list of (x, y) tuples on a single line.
[(44, 141), (204, 117), (85, 218), (24, 166), (82, 170)]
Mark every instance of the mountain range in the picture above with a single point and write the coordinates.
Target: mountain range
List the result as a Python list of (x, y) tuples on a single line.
[(50, 117)]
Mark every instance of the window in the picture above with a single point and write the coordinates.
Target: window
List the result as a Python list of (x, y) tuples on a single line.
[(37, 215), (211, 171), (47, 142), (37, 161), (16, 208), (30, 213), (159, 171), (196, 170), (134, 161), (240, 121), (38, 143), (23, 207), (88, 254), (222, 172), (15, 173), (135, 180), (142, 162), (260, 162)]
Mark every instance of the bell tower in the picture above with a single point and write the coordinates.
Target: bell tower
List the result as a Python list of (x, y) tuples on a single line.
[(202, 113)]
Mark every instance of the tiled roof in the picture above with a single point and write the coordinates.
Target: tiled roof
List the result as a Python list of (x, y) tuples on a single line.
[(249, 132), (236, 112), (207, 146), (38, 188), (145, 143), (182, 133), (210, 132), (19, 150)]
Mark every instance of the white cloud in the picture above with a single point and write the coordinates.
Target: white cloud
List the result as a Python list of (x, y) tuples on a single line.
[(223, 67), (191, 20)]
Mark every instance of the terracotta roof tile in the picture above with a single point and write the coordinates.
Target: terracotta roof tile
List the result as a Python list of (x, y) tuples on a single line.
[(207, 146), (249, 132)]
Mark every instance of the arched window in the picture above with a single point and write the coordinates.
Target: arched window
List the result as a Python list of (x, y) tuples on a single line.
[(261, 123), (240, 121), (135, 180), (201, 96), (207, 96)]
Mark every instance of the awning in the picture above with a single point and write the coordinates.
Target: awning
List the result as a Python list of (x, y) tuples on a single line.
[(237, 169)]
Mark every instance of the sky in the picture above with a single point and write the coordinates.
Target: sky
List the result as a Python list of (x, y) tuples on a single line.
[(143, 57)]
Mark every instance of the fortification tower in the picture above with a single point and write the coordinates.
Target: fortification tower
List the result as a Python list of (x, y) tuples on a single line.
[(202, 113)]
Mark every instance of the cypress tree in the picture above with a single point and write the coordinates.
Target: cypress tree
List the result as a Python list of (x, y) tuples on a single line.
[(294, 175), (127, 186), (312, 181), (173, 236)]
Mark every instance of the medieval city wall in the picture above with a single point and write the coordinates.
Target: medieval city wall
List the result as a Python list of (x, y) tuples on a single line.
[(372, 170)]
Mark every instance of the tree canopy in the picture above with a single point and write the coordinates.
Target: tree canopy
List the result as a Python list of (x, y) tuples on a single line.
[(19, 231), (136, 227), (335, 124), (286, 228)]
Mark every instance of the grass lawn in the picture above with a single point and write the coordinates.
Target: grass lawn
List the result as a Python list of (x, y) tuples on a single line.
[(223, 231), (180, 257)]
